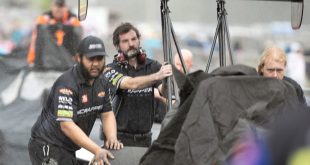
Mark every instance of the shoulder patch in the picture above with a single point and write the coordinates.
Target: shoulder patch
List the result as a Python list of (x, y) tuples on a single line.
[(65, 91), (64, 113)]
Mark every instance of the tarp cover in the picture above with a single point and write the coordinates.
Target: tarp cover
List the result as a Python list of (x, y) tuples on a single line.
[(51, 56), (18, 116), (225, 104)]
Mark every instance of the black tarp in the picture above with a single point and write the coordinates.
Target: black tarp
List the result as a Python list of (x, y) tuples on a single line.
[(49, 55), (162, 149), (10, 66), (206, 124), (16, 122)]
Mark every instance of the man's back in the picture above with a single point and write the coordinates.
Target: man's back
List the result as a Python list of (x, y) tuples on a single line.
[(54, 40)]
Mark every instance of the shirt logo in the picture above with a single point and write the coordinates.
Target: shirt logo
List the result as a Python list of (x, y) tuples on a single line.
[(101, 94), (140, 91), (64, 113), (89, 109), (65, 91), (65, 100), (84, 99)]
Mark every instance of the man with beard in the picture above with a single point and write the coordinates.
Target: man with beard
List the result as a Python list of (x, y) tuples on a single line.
[(133, 78), (76, 99)]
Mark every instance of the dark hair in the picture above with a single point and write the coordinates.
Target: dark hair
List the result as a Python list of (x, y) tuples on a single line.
[(59, 3), (122, 29)]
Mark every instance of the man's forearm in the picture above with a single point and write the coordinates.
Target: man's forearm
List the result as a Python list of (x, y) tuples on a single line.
[(145, 81), (139, 82), (72, 131), (109, 125)]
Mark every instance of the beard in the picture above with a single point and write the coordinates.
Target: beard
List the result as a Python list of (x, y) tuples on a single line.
[(132, 52), (86, 72)]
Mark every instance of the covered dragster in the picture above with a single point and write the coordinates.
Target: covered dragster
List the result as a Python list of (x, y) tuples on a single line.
[(217, 109)]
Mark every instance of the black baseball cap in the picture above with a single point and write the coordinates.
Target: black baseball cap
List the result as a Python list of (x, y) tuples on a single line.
[(92, 46), (59, 2)]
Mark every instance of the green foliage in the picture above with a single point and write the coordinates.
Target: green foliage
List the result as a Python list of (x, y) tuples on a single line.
[(42, 5)]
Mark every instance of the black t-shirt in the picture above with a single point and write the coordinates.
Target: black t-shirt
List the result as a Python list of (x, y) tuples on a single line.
[(71, 99), (299, 91), (134, 108)]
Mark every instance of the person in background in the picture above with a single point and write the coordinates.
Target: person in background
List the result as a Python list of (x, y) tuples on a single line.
[(187, 58), (76, 99), (160, 104), (133, 78), (63, 28), (273, 64)]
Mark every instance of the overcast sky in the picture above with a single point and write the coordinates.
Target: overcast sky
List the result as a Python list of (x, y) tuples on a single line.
[(239, 11)]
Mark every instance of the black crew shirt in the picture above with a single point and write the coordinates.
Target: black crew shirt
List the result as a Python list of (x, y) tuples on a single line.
[(134, 108), (71, 99), (299, 91)]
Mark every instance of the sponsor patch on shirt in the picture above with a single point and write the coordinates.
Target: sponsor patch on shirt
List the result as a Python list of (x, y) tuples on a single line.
[(113, 76), (84, 99), (101, 94), (115, 80), (65, 100), (65, 91), (65, 107), (64, 113)]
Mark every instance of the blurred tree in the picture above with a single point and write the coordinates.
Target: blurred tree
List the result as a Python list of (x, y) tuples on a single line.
[(42, 5)]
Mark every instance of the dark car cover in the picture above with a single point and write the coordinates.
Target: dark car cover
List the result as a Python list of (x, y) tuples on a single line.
[(50, 56), (162, 149), (226, 103)]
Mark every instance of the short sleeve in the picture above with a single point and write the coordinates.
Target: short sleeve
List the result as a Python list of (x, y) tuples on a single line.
[(107, 97), (114, 78)]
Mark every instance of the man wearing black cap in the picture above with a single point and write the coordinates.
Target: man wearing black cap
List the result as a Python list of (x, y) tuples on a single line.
[(56, 34), (76, 99)]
